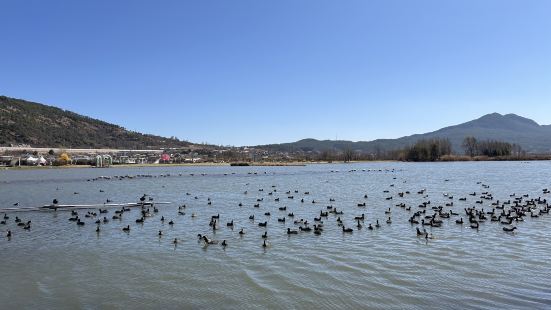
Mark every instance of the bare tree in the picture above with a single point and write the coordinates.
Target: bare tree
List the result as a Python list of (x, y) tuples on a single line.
[(348, 155), (470, 145)]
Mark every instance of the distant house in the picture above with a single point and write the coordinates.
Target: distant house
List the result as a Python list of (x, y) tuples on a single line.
[(31, 160), (6, 160), (165, 158)]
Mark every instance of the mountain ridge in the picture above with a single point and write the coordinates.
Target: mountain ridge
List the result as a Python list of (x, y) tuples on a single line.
[(40, 125), (512, 128)]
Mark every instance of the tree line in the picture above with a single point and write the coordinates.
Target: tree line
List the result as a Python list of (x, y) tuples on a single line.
[(435, 149), (490, 148)]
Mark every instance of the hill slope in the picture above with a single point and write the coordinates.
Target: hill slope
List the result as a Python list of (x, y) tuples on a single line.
[(24, 122), (531, 136)]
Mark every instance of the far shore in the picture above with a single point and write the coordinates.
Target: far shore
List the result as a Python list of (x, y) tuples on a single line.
[(255, 164)]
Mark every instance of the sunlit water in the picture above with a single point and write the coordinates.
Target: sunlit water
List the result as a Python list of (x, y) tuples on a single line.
[(58, 264)]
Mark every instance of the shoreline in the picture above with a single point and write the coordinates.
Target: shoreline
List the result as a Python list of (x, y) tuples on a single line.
[(257, 164)]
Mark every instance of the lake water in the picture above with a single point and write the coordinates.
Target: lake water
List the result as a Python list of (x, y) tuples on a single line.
[(59, 265)]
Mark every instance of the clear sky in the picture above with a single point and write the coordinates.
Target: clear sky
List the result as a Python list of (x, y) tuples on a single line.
[(255, 72)]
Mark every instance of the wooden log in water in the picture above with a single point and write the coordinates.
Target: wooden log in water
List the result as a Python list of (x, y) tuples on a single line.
[(83, 206)]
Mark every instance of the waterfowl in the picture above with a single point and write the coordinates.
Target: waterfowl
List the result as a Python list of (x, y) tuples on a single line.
[(175, 241), (160, 234), (291, 232), (241, 232), (507, 229), (264, 244), (97, 229), (362, 217), (8, 234), (265, 235), (377, 224), (126, 229), (389, 221), (224, 243), (209, 241), (171, 223), (263, 224), (347, 230), (251, 217), (305, 228), (230, 224), (459, 221)]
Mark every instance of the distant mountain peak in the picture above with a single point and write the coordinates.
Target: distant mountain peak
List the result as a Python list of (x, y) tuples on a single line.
[(521, 119), (511, 128)]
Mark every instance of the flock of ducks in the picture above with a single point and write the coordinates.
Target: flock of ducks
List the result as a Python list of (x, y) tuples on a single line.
[(484, 209)]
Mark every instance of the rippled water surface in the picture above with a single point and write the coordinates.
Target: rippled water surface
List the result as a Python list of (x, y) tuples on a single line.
[(59, 265)]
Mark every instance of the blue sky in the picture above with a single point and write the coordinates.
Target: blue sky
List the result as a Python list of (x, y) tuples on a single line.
[(254, 72)]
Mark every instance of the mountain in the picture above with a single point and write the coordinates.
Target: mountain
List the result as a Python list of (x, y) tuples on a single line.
[(39, 125), (531, 136), (24, 122)]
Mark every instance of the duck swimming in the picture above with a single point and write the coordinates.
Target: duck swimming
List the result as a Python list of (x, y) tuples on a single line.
[(291, 232)]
